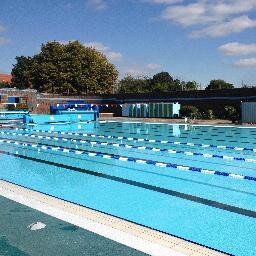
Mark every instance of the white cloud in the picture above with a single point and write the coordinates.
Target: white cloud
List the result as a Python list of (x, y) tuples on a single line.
[(250, 62), (152, 66), (212, 18), (139, 70), (97, 45), (4, 40), (203, 12), (235, 48), (114, 56), (97, 4), (165, 1), (134, 71), (2, 28), (234, 6), (111, 55), (186, 15), (235, 25)]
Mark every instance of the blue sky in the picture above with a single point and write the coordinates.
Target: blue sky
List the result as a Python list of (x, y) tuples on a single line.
[(193, 40)]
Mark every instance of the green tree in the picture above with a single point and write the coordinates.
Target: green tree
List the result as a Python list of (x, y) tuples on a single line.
[(191, 85), (164, 82), (246, 86), (130, 84), (177, 85), (219, 85), (5, 85), (161, 82), (66, 69), (162, 78), (21, 73)]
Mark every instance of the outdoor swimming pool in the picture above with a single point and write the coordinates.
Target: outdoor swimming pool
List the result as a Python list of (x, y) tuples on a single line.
[(194, 182)]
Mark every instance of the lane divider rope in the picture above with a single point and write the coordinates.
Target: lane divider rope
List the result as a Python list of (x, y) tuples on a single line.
[(127, 146), (128, 159), (145, 140)]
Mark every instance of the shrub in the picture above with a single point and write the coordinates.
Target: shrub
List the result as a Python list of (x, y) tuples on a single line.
[(10, 107), (210, 114), (19, 106), (231, 113), (190, 111)]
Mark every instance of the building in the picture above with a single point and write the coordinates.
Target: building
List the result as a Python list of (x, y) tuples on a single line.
[(11, 96), (5, 78)]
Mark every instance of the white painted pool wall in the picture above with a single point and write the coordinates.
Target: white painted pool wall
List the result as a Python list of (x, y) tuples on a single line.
[(248, 112)]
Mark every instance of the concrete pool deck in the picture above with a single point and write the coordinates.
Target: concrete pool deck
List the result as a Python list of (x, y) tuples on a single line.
[(132, 235), (169, 120), (178, 121)]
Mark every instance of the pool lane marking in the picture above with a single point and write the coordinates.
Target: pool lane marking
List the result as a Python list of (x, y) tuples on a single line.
[(128, 159), (170, 151), (146, 140), (132, 147), (208, 202)]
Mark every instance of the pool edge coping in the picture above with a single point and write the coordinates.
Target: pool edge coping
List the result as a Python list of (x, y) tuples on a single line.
[(130, 234)]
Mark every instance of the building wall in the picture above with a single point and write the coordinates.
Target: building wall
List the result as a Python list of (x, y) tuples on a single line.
[(248, 112), (28, 97), (40, 103), (43, 105), (5, 78)]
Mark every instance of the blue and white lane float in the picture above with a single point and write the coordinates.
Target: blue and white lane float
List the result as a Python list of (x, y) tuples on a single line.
[(128, 159), (145, 140), (153, 149)]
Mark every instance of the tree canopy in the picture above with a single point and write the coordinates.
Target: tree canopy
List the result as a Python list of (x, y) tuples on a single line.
[(191, 85), (5, 85), (130, 84), (160, 82), (65, 69), (219, 84)]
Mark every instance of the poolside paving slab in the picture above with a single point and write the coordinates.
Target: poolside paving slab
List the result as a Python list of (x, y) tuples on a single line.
[(138, 237), (56, 238)]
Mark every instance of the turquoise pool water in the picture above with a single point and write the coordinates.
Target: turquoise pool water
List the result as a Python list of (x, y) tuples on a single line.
[(194, 182)]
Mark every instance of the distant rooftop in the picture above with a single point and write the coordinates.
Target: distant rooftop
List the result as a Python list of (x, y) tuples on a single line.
[(5, 78)]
